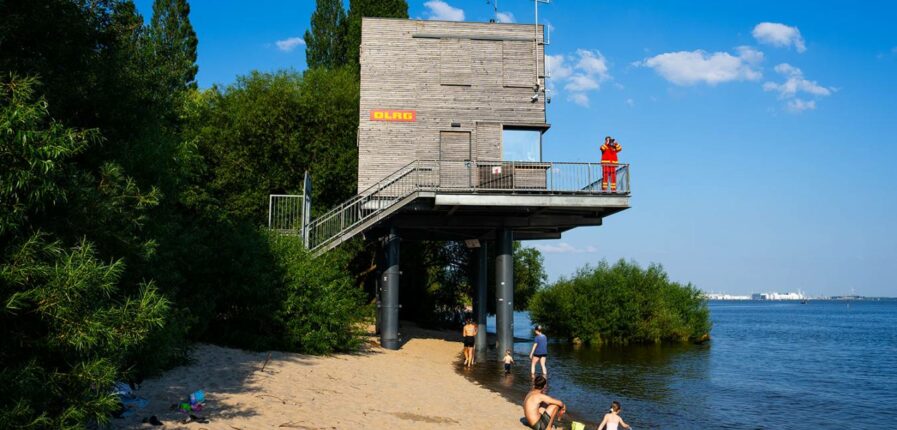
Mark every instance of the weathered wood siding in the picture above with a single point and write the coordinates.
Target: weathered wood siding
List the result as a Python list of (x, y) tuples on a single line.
[(479, 75)]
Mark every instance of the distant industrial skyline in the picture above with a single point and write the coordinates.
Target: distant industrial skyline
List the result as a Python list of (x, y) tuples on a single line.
[(761, 134)]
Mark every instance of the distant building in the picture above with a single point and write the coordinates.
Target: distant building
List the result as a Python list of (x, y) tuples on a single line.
[(779, 296), (722, 296)]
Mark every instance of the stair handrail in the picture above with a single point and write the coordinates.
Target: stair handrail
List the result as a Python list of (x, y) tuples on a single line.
[(368, 193)]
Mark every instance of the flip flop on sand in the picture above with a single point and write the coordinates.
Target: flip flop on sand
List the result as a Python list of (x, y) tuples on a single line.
[(153, 420)]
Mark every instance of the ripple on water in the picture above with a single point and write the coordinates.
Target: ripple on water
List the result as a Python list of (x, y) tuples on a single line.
[(770, 364)]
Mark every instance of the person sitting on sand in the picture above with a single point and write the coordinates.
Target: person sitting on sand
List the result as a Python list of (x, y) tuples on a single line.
[(540, 409), (612, 419), (470, 334), (509, 360)]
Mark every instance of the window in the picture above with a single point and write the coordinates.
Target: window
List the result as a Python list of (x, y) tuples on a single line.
[(521, 145)]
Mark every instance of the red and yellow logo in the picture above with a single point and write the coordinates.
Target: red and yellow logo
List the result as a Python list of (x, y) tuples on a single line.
[(393, 115)]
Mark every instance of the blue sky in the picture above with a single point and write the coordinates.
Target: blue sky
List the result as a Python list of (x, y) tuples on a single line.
[(761, 134)]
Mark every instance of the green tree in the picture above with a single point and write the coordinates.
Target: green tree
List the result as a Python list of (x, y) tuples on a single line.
[(368, 8), (325, 40), (328, 119), (174, 42), (529, 274), (68, 322)]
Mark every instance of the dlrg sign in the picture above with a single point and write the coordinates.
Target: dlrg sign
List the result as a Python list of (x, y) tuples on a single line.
[(393, 115)]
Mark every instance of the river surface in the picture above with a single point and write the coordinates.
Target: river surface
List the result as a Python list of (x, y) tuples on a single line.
[(820, 365)]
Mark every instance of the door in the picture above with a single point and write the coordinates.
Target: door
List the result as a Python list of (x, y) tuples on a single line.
[(454, 159)]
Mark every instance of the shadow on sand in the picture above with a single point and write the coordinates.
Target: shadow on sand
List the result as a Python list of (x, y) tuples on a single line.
[(220, 372)]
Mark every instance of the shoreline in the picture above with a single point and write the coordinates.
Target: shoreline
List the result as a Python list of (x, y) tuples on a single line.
[(412, 388)]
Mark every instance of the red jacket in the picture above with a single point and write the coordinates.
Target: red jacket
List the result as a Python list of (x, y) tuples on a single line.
[(609, 152)]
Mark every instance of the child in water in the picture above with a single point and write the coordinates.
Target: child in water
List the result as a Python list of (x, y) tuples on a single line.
[(509, 360), (612, 419)]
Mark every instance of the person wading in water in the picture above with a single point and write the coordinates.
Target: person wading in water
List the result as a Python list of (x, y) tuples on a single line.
[(470, 335), (539, 352), (612, 419)]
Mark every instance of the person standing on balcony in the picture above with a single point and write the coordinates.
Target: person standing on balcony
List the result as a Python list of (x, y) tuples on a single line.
[(609, 163)]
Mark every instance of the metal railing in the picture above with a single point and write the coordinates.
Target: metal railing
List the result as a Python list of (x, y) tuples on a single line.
[(465, 177), (285, 213)]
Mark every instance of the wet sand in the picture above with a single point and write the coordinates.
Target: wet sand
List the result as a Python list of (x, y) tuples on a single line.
[(416, 387)]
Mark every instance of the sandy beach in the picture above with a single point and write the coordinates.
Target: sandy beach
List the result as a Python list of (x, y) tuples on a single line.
[(415, 387)]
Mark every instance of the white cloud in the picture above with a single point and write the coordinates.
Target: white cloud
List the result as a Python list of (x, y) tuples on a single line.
[(794, 85), (593, 63), (692, 67), (588, 70), (558, 67), (504, 17), (289, 44), (800, 105), (579, 98), (630, 102), (781, 35), (580, 83), (442, 11), (565, 248)]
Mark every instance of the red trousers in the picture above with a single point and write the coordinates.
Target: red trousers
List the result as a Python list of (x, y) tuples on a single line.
[(609, 174)]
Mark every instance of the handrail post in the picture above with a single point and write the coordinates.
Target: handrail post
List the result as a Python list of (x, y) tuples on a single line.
[(589, 177), (270, 206), (551, 182), (628, 171)]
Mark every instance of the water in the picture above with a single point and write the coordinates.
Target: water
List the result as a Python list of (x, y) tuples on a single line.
[(824, 364)]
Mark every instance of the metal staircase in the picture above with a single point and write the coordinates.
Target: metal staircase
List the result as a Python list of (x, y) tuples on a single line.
[(368, 207)]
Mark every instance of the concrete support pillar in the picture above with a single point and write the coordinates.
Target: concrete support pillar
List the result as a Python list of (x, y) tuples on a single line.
[(479, 309), (379, 284), (389, 296), (504, 290)]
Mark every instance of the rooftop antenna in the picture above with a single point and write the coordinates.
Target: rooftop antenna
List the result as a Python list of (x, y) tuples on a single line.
[(494, 4), (538, 87)]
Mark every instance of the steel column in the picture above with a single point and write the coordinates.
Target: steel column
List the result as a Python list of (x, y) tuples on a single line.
[(389, 296), (504, 289), (480, 302)]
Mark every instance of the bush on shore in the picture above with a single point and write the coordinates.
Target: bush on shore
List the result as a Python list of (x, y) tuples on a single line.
[(620, 304), (322, 310)]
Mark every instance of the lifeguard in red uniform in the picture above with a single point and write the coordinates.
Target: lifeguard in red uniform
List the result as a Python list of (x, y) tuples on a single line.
[(609, 163)]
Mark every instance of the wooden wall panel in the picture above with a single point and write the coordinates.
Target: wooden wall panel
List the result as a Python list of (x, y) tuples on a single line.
[(404, 66)]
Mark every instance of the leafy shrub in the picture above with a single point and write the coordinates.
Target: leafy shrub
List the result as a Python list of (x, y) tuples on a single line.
[(66, 333), (322, 309), (621, 304)]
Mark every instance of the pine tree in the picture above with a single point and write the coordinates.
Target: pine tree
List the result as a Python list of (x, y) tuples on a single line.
[(325, 40), (175, 42), (368, 8)]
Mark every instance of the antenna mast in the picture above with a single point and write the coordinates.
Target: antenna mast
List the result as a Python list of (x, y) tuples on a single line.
[(538, 87)]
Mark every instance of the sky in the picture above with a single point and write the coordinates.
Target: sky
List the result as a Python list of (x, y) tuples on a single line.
[(762, 135)]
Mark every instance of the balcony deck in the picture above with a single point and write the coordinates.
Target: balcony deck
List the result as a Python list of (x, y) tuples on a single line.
[(456, 200)]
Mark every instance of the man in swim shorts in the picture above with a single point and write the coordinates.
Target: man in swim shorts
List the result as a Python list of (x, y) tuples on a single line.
[(469, 334), (540, 409)]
